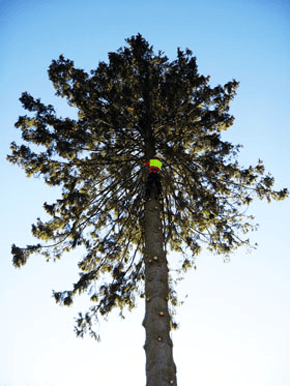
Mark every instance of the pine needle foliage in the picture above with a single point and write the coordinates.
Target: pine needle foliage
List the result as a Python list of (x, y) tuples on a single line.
[(128, 109)]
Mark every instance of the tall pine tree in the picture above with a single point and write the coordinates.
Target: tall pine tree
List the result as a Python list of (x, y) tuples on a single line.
[(137, 104)]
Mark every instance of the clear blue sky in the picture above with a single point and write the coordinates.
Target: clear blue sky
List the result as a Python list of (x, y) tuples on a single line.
[(235, 320)]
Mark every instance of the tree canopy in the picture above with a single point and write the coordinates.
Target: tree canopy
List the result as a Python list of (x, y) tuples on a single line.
[(138, 103)]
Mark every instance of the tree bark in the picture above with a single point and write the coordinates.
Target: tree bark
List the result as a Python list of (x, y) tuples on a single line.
[(160, 366)]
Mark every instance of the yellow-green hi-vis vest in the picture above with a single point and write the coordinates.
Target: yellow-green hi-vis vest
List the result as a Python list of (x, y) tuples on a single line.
[(155, 163), (155, 166)]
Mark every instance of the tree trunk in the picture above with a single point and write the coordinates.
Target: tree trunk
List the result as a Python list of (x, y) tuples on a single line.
[(160, 367)]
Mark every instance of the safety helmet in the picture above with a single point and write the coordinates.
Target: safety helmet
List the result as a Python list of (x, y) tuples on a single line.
[(158, 155)]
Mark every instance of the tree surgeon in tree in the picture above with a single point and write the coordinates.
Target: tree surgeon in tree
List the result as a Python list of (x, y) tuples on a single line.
[(153, 181), (135, 106)]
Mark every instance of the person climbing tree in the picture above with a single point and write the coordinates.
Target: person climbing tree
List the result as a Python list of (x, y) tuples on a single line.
[(153, 186)]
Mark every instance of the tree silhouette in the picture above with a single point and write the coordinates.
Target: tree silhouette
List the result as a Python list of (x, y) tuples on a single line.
[(137, 104)]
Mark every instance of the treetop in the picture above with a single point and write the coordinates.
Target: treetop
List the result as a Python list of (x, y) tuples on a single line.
[(137, 104)]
